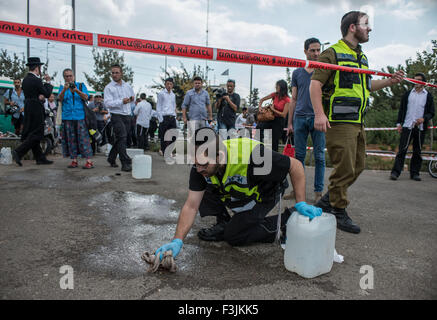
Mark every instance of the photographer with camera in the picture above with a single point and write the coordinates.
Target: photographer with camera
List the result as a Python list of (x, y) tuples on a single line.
[(100, 110), (74, 131), (15, 99), (227, 103)]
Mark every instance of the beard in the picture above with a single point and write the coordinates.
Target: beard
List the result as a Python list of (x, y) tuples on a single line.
[(361, 36)]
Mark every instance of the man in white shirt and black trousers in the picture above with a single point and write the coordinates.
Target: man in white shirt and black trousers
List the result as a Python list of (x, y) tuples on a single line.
[(166, 109), (119, 99), (417, 108), (143, 111)]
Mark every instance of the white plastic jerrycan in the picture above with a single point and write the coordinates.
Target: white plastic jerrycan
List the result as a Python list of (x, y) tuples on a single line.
[(310, 245), (133, 152), (142, 166)]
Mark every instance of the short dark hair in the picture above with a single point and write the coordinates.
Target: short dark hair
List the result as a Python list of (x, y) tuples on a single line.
[(310, 41), (143, 96), (66, 69), (17, 78), (197, 78), (231, 80), (244, 109), (116, 65), (349, 18), (422, 75), (169, 80)]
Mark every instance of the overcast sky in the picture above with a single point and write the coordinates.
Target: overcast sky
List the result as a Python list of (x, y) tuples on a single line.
[(278, 27)]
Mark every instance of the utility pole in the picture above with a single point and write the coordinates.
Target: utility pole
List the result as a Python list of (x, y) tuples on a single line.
[(207, 20), (165, 75), (28, 40), (73, 47), (250, 92)]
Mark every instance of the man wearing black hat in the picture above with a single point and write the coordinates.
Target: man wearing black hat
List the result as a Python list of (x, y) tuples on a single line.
[(35, 93)]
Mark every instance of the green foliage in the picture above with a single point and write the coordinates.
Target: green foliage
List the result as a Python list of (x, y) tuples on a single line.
[(103, 60), (13, 66), (385, 103), (253, 98), (183, 81)]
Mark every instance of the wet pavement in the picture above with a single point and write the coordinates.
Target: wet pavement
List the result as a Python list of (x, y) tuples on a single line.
[(100, 221)]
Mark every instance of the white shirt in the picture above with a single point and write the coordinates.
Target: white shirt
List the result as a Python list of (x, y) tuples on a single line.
[(166, 105), (415, 108), (114, 94), (144, 112), (239, 123)]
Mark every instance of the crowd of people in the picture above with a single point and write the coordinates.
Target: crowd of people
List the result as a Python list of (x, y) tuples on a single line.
[(329, 105)]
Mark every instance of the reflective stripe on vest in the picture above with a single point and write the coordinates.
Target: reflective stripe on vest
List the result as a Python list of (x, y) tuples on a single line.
[(234, 187), (350, 99)]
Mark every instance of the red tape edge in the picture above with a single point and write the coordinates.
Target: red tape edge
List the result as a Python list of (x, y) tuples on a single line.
[(173, 49)]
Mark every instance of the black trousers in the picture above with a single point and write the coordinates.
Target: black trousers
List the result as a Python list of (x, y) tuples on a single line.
[(169, 122), (143, 137), (244, 227), (408, 135), (120, 125), (32, 142), (277, 126)]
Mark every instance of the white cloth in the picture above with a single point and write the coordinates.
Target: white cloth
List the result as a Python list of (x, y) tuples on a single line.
[(166, 104), (114, 94), (239, 123), (416, 107), (144, 112)]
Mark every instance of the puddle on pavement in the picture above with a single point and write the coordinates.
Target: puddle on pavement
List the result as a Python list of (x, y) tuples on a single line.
[(137, 223)]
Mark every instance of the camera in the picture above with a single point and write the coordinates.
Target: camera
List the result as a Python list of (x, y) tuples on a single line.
[(12, 109), (220, 93), (72, 85)]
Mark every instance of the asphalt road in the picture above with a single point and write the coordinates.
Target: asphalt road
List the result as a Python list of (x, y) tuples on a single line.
[(100, 221)]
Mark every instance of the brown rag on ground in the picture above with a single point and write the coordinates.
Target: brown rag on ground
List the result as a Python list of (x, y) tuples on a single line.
[(167, 262)]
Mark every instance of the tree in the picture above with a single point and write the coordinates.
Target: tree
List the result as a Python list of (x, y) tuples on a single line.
[(254, 98), (183, 81), (102, 68), (385, 103), (13, 66)]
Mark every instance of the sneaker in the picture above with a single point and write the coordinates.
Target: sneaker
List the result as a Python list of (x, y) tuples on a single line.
[(416, 177), (73, 164), (324, 203), (88, 165), (344, 222)]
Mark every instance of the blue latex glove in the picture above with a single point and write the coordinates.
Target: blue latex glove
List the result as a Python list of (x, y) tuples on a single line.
[(175, 246), (308, 210)]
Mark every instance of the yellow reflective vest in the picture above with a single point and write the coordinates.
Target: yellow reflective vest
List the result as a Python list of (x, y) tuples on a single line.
[(349, 102), (234, 187)]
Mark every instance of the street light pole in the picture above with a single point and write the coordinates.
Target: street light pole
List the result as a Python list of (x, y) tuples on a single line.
[(28, 40), (73, 47)]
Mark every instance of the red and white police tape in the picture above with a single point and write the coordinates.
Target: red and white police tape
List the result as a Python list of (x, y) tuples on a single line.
[(173, 49)]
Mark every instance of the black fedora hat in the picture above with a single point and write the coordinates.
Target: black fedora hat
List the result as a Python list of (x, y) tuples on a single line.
[(34, 61)]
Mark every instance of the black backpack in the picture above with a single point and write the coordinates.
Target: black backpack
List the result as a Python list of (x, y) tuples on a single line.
[(90, 116)]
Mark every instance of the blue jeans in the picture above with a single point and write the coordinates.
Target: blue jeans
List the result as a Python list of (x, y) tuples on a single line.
[(302, 127)]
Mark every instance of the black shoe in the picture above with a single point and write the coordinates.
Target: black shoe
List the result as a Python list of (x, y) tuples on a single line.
[(16, 158), (126, 167), (416, 177), (393, 176), (344, 222), (324, 203), (112, 164), (44, 161), (214, 233)]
